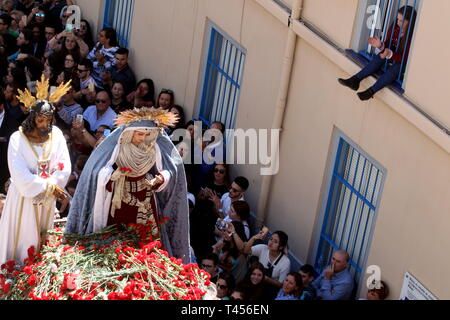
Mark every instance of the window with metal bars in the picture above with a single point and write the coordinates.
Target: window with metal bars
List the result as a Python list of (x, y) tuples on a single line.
[(378, 18), (351, 208), (222, 81), (118, 14)]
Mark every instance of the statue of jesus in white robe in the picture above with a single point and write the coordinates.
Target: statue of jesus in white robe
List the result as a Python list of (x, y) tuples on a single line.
[(30, 205)]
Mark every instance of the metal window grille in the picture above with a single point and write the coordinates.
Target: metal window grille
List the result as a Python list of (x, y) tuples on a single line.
[(384, 15), (350, 211), (222, 82), (119, 15)]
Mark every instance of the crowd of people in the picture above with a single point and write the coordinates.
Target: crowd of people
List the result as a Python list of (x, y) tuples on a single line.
[(35, 40)]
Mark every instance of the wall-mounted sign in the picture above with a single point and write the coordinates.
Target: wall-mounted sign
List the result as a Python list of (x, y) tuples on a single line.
[(413, 290)]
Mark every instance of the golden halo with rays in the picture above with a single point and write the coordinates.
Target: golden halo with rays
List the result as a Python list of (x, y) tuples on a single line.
[(162, 118), (42, 93)]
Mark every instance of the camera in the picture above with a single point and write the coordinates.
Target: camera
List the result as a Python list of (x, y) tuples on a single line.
[(221, 225)]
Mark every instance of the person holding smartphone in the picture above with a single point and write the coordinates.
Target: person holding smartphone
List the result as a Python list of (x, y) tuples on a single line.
[(273, 257), (103, 54)]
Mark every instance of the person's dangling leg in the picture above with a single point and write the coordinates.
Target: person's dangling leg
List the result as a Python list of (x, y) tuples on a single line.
[(386, 79), (373, 66)]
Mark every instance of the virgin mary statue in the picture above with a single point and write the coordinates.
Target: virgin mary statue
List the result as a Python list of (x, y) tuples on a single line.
[(135, 176)]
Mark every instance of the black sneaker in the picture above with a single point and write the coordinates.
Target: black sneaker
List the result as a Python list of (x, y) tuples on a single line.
[(366, 95), (352, 83)]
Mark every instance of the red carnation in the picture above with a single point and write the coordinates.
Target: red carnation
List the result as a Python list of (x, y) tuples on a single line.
[(32, 281)]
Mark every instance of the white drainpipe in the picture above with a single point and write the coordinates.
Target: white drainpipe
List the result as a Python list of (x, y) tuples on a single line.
[(277, 123)]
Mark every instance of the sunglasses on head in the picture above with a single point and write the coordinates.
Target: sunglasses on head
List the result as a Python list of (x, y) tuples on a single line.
[(168, 91)]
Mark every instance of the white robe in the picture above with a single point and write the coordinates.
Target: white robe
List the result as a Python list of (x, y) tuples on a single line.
[(25, 185)]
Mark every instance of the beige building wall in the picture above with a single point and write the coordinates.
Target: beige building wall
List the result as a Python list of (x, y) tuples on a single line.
[(168, 43), (410, 228), (92, 12), (427, 82), (335, 18)]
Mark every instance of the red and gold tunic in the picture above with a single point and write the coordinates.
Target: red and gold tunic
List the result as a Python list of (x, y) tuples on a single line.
[(138, 203)]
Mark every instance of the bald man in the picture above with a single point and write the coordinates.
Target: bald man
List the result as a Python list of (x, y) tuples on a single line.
[(336, 282)]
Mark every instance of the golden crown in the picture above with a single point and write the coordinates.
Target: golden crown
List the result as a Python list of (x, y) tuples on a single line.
[(162, 118), (42, 93)]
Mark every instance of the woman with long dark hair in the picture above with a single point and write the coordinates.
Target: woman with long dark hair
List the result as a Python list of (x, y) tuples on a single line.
[(144, 95), (85, 33), (119, 101), (392, 50), (274, 257), (219, 181), (253, 283), (178, 110)]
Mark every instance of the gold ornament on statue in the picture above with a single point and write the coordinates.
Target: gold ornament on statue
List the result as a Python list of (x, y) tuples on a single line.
[(162, 118), (42, 87)]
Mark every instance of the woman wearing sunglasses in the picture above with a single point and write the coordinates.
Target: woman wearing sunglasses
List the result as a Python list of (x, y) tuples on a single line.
[(38, 15), (225, 286), (219, 180), (85, 33)]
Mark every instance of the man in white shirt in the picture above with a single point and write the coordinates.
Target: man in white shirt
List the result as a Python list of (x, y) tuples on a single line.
[(100, 113)]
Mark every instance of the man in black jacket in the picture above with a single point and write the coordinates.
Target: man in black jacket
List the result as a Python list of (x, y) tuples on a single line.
[(8, 126), (8, 39)]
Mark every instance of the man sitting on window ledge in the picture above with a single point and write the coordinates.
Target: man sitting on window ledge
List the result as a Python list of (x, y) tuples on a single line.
[(393, 50)]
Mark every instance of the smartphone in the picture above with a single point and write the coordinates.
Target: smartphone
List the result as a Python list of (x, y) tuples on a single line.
[(80, 118), (221, 225), (91, 87), (106, 132), (69, 27)]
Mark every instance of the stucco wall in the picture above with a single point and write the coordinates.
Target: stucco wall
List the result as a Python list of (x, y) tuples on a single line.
[(334, 18), (429, 67), (92, 12), (410, 229)]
